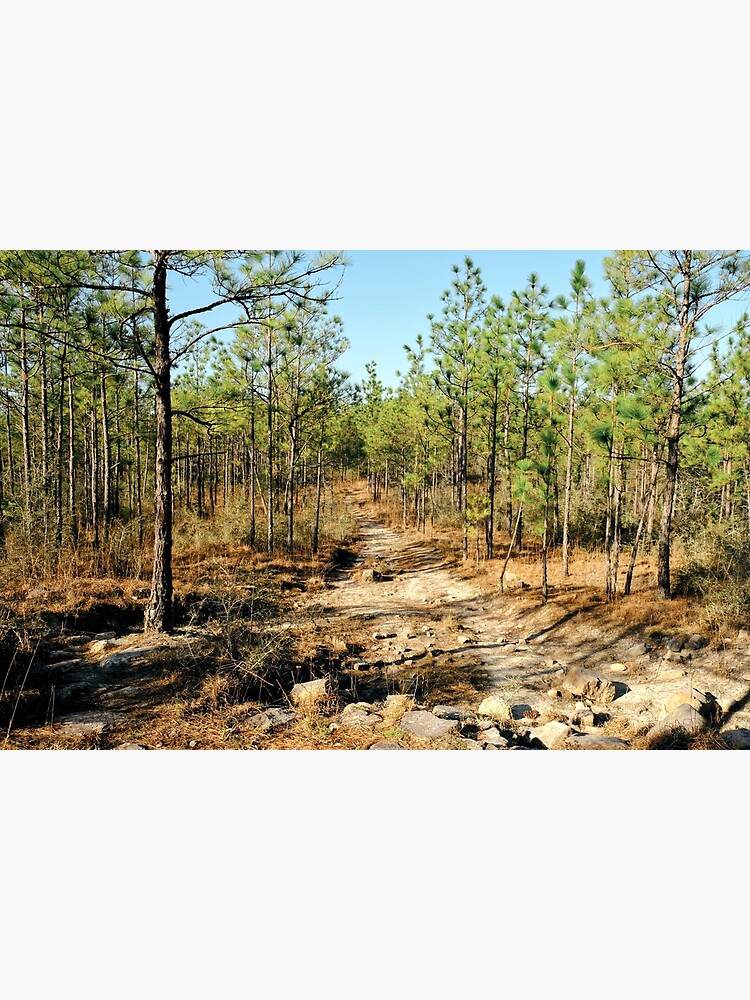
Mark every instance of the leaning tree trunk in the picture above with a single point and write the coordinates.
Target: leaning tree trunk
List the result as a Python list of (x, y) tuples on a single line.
[(159, 613)]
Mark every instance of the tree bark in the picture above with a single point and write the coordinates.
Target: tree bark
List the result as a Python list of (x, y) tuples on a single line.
[(159, 613)]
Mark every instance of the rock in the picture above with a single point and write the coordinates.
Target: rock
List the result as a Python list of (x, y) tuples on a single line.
[(672, 674), (636, 650), (472, 745), (130, 746), (596, 741), (449, 712), (587, 719), (554, 693), (674, 656), (587, 684), (383, 635), (358, 717), (495, 707), (550, 734), (676, 643), (683, 717), (425, 725), (58, 656), (618, 668), (743, 635), (703, 702), (272, 718), (64, 665), (86, 723), (495, 738), (386, 745), (738, 739), (105, 635), (101, 646), (128, 657), (310, 693), (696, 642)]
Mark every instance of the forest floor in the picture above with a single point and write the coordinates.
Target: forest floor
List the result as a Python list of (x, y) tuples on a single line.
[(407, 645)]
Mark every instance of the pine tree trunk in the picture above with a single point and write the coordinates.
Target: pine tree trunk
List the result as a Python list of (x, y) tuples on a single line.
[(159, 613)]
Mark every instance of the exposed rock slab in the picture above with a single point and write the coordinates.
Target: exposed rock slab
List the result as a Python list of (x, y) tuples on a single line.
[(425, 725), (87, 723)]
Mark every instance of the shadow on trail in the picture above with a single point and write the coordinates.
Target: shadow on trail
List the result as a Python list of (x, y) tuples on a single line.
[(736, 706), (562, 621)]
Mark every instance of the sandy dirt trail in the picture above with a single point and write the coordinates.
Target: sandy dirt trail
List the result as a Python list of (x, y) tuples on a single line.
[(506, 642), (423, 607)]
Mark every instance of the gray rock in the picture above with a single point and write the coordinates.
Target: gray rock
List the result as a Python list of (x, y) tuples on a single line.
[(636, 650), (425, 725), (738, 739), (64, 665), (272, 718), (128, 657), (683, 717), (472, 745), (358, 717), (450, 712), (386, 745), (702, 701), (59, 656), (130, 746), (677, 643), (596, 741), (587, 684), (696, 642), (673, 656), (86, 723), (105, 635)]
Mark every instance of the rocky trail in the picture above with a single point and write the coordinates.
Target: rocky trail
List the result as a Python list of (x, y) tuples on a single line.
[(542, 676), (427, 656)]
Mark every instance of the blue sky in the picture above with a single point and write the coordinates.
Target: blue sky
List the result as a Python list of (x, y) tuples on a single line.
[(385, 295)]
